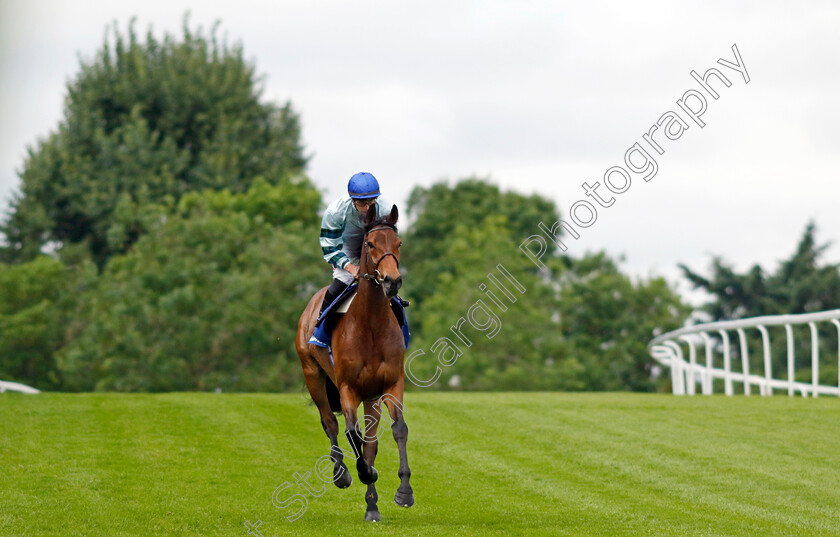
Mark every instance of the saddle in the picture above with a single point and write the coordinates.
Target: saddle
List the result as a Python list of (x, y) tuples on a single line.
[(322, 336)]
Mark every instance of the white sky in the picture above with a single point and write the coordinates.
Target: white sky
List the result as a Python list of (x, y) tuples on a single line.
[(540, 96)]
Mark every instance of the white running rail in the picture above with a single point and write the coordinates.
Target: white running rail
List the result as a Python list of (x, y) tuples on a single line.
[(667, 349), (16, 387)]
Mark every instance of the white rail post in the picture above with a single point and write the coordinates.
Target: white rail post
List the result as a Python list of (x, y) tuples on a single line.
[(707, 376), (815, 358), (677, 379), (837, 324), (790, 358), (690, 377), (768, 366), (727, 364), (745, 361)]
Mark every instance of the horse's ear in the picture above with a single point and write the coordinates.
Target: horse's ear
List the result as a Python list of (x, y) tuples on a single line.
[(393, 217), (370, 216)]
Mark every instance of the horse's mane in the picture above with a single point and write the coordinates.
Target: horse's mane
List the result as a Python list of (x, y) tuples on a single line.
[(380, 221)]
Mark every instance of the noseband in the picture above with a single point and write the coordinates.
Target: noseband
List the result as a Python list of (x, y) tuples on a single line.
[(376, 277)]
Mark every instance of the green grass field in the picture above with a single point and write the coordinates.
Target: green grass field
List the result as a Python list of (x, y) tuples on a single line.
[(482, 464)]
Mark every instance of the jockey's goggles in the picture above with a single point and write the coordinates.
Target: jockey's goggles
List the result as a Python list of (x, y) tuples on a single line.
[(364, 202)]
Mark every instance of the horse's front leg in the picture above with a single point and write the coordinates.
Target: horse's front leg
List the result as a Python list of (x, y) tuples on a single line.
[(371, 442), (349, 406), (341, 475), (393, 399)]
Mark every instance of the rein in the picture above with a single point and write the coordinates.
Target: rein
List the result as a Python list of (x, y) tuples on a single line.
[(376, 277)]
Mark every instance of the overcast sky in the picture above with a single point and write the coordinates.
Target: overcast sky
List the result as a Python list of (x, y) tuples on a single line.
[(538, 96)]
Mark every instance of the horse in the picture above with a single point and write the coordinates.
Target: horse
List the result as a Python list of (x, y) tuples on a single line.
[(368, 350)]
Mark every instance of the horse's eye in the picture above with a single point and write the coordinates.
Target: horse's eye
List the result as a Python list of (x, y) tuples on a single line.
[(370, 244)]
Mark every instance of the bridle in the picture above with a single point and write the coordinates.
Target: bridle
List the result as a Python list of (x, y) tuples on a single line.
[(376, 277)]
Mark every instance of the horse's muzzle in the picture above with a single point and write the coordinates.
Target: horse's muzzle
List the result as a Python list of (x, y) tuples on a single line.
[(391, 286)]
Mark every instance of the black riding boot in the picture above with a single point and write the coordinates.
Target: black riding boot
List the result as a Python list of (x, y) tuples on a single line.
[(335, 289)]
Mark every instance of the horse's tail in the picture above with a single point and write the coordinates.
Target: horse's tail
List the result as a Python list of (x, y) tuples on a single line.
[(332, 396)]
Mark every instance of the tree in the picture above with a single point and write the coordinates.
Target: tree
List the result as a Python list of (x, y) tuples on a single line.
[(434, 212), (580, 325), (144, 121), (30, 320), (512, 348), (799, 285), (208, 299), (607, 320)]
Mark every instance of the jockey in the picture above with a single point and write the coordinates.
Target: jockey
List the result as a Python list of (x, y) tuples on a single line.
[(342, 231)]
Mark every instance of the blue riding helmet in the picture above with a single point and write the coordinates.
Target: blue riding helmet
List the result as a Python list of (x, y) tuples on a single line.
[(363, 185)]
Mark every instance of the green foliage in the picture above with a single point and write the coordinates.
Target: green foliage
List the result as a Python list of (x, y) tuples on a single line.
[(167, 164), (209, 294), (800, 284), (436, 211), (523, 352), (208, 299), (582, 325), (289, 203), (144, 123), (608, 319), (29, 320)]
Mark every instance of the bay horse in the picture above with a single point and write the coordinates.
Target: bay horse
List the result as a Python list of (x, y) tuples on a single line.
[(368, 351)]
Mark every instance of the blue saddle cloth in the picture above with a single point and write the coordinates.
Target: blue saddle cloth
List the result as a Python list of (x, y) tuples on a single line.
[(323, 338)]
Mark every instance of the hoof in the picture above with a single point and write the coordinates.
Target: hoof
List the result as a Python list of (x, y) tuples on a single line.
[(404, 499), (342, 477), (372, 516), (374, 475)]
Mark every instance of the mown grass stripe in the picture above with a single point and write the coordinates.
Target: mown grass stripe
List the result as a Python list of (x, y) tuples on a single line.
[(483, 464)]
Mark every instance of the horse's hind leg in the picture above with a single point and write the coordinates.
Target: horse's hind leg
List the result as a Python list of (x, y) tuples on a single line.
[(371, 441), (316, 383), (393, 399)]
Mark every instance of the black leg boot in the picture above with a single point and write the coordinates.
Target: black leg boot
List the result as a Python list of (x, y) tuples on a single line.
[(335, 289)]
